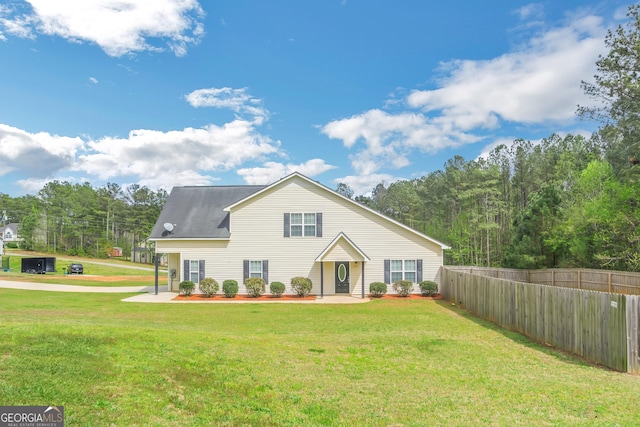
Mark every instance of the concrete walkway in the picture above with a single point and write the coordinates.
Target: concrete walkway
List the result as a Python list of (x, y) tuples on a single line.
[(72, 288), (147, 294)]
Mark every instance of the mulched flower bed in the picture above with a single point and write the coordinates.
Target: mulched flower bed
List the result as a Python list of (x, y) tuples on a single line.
[(218, 297), (411, 296)]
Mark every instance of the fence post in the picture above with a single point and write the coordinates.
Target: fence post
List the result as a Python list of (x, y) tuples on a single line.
[(579, 279), (609, 280)]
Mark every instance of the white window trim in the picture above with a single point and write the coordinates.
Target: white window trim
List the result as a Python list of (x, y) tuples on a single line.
[(404, 270), (196, 271), (304, 224), (252, 272)]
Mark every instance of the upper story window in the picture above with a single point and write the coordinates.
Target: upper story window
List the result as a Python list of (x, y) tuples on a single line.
[(303, 224)]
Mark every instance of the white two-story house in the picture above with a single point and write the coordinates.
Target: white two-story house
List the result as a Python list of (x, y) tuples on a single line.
[(9, 233), (293, 227)]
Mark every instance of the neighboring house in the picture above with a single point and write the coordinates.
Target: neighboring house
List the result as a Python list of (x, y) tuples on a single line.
[(9, 233), (293, 227)]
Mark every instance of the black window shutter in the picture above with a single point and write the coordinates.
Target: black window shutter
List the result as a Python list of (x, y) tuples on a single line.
[(201, 268), (419, 270), (186, 269), (287, 225), (319, 224), (245, 270), (265, 270), (387, 271)]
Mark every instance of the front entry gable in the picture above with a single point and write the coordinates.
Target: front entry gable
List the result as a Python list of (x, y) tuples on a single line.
[(342, 248)]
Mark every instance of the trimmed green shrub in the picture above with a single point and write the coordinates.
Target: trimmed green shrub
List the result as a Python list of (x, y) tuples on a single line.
[(277, 289), (255, 286), (186, 288), (230, 288), (301, 285), (403, 287), (377, 289), (428, 288), (208, 287)]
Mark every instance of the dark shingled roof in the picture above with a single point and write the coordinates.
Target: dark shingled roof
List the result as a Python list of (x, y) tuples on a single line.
[(197, 212)]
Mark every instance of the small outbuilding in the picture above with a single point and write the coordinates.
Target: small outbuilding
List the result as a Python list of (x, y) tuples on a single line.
[(38, 265)]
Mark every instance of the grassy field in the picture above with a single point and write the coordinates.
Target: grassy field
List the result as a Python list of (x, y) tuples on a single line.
[(402, 363), (96, 272)]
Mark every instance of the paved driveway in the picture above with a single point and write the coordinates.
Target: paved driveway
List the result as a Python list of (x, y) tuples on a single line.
[(72, 288)]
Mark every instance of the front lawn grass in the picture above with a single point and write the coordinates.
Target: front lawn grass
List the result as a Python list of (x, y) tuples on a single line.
[(410, 363)]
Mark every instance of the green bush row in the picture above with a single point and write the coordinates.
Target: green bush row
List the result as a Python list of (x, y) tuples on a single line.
[(302, 286), (255, 286), (403, 288)]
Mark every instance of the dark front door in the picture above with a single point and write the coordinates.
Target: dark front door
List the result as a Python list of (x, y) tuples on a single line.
[(342, 277)]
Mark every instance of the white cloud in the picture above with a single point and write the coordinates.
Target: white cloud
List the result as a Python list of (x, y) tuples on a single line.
[(487, 149), (237, 100), (153, 158), (42, 154), (538, 84), (388, 138), (19, 26), (119, 27), (180, 178), (508, 142), (621, 13), (273, 171), (530, 11), (364, 184), (150, 154), (93, 80), (33, 185)]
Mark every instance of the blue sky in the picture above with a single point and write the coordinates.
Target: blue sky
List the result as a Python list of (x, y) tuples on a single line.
[(180, 92)]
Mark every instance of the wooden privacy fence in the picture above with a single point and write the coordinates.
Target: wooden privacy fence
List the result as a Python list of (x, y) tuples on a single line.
[(600, 327), (617, 282)]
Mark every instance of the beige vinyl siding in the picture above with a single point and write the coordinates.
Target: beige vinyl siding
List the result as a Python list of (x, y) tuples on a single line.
[(257, 233), (342, 251)]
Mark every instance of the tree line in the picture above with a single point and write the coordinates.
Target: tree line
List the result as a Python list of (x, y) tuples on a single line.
[(78, 219), (559, 203)]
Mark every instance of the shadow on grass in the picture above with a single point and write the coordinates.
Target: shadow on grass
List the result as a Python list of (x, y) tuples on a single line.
[(517, 337)]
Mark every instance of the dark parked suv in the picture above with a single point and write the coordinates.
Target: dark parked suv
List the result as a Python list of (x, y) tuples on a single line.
[(75, 268)]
